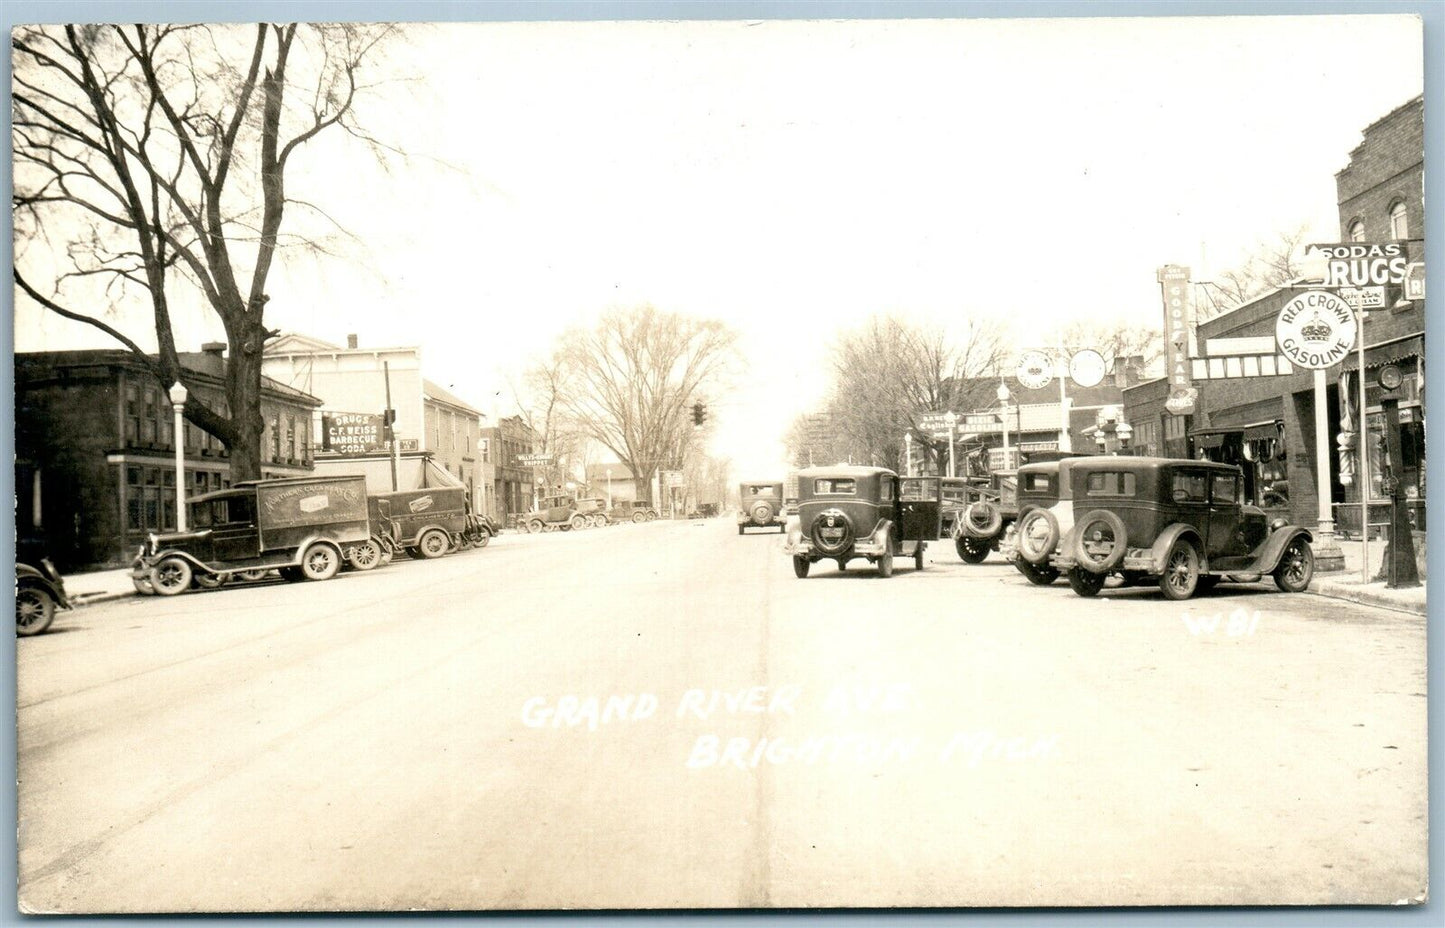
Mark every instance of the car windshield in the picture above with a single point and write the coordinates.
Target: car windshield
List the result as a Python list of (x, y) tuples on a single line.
[(835, 486)]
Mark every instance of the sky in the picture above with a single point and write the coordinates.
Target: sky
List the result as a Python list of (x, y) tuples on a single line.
[(793, 178)]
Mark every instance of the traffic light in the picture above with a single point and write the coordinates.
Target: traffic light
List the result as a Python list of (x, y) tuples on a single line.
[(699, 413), (388, 419)]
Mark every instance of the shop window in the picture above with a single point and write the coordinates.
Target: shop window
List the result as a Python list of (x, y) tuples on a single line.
[(1357, 231), (275, 438), (1399, 223)]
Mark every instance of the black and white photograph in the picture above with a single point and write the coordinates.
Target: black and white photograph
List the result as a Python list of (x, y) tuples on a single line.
[(940, 461)]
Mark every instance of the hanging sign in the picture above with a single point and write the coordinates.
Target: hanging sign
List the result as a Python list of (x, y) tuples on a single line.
[(1178, 330), (1087, 367), (1315, 330), (1363, 264), (1035, 371)]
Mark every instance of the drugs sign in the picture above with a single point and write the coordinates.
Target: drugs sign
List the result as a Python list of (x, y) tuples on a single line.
[(1315, 330), (1363, 264), (351, 432)]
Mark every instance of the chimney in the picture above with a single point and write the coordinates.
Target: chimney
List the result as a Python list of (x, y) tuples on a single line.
[(216, 348), (1128, 370), (351, 340)]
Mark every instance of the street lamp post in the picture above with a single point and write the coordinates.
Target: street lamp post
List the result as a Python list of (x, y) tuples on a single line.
[(1003, 396), (908, 454), (178, 403), (609, 488), (952, 420)]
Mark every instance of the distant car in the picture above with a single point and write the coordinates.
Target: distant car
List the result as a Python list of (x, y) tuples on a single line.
[(850, 512), (1178, 523), (980, 526), (760, 505), (39, 591), (632, 511)]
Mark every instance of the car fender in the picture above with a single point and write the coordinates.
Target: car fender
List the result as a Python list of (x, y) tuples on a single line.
[(1267, 558), (1159, 551), (39, 582), (881, 532)]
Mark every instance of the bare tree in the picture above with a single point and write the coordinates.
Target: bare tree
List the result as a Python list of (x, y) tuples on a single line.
[(1117, 340), (632, 379), (889, 372), (1273, 264), (541, 406), (149, 157)]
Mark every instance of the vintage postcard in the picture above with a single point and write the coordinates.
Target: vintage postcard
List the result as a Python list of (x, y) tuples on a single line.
[(712, 464)]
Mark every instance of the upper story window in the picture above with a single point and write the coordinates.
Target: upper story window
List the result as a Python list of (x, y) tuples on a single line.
[(1399, 225), (1357, 231)]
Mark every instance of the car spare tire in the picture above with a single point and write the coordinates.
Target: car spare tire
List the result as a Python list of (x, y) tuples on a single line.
[(1037, 536), (982, 519), (762, 514), (833, 531), (1100, 541)]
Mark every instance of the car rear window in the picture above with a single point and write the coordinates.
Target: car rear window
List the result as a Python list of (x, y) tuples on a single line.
[(1036, 483), (835, 486), (763, 490), (1110, 483)]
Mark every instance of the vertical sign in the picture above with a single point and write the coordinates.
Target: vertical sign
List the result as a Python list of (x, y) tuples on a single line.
[(1178, 331)]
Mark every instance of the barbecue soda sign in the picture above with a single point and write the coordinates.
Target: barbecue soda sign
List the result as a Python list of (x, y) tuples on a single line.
[(1315, 330), (351, 432)]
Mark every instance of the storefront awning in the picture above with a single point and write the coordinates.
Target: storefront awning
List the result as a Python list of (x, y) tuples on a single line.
[(1388, 353), (1258, 430), (1210, 438)]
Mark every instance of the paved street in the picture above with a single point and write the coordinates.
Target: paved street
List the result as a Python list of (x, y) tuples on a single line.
[(424, 736)]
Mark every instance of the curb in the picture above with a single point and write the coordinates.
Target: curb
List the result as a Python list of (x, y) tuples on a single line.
[(1350, 593), (86, 599)]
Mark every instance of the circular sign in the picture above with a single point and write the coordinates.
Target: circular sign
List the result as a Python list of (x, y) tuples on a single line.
[(1087, 367), (1389, 377), (1035, 371), (1315, 330)]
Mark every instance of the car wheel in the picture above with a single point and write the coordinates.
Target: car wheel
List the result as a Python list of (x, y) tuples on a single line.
[(34, 611), (885, 565), (433, 543), (171, 576), (251, 576), (639, 516), (321, 561), (651, 516), (1296, 567), (918, 557), (800, 566), (970, 550), (1100, 527), (481, 538), (578, 521), (366, 555), (536, 526), (1181, 570), (1037, 536), (1038, 574), (142, 586), (208, 581), (1085, 582)]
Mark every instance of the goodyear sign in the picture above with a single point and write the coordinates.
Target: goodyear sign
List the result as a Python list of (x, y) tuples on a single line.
[(1178, 332)]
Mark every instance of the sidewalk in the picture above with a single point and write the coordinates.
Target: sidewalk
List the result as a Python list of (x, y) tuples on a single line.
[(1346, 584), (99, 586)]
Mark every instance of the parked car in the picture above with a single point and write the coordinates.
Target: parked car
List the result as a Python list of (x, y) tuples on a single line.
[(594, 513), (990, 511), (555, 512), (1179, 523), (39, 591), (1045, 513), (632, 511), (849, 512), (299, 525), (760, 505), (481, 529)]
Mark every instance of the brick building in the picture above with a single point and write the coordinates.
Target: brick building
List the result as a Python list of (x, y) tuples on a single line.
[(1255, 416), (95, 448), (501, 445)]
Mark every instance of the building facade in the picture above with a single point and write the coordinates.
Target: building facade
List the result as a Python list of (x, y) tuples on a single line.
[(513, 481), (95, 448), (358, 380)]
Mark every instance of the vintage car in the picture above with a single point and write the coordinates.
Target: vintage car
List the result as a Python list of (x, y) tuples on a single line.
[(760, 505), (39, 591), (1045, 512), (555, 513), (298, 525), (594, 511), (427, 522), (990, 510), (1176, 522), (632, 511), (849, 512), (481, 529)]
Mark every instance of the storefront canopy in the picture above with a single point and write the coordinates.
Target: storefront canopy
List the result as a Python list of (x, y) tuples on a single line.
[(1388, 353), (1253, 431)]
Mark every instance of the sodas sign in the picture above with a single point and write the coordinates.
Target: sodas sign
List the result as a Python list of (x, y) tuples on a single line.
[(1315, 330), (1363, 264)]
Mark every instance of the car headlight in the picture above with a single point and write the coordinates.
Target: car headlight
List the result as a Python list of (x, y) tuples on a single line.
[(1277, 524)]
